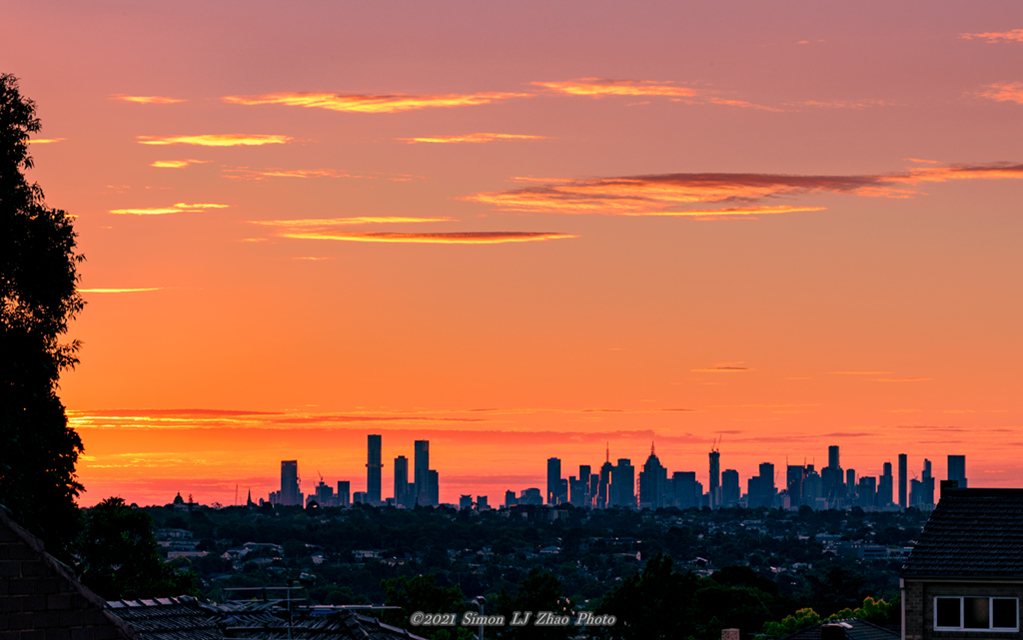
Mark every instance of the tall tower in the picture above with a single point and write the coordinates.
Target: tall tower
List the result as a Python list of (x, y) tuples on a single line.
[(422, 472), (957, 470), (715, 477), (604, 481), (903, 473), (553, 480), (401, 488), (373, 469), (833, 457), (289, 483)]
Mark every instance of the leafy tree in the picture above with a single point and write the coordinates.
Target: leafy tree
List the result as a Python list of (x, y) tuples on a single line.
[(539, 590), (118, 557), (790, 624), (38, 274), (657, 603), (422, 593), (876, 611)]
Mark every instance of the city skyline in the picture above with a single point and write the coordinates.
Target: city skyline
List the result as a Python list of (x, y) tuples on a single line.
[(524, 230)]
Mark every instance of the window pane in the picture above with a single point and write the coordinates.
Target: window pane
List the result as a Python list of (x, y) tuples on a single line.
[(948, 612), (1003, 613), (976, 614)]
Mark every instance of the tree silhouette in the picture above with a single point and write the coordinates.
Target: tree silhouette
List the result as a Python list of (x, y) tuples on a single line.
[(38, 274), (119, 557)]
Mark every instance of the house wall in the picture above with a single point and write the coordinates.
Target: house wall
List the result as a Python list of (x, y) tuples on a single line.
[(918, 602)]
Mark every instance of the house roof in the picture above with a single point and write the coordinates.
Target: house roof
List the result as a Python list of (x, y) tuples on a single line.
[(854, 628), (971, 533), (166, 619)]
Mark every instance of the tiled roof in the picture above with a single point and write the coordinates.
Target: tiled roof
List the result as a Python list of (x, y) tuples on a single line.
[(257, 622), (166, 619), (971, 533), (855, 629)]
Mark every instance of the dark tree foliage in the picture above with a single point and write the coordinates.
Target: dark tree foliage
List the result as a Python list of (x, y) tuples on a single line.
[(38, 274), (538, 591), (118, 556), (655, 604), (422, 593)]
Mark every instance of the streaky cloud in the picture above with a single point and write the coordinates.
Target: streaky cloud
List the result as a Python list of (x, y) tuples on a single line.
[(245, 173), (217, 140), (601, 87), (379, 103), (312, 223), (470, 138), (1015, 35), (664, 194), (46, 140), (177, 164), (180, 207), (459, 237), (147, 99), (135, 290)]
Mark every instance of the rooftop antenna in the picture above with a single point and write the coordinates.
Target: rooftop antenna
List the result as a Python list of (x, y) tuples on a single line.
[(236, 495), (607, 457), (651, 447)]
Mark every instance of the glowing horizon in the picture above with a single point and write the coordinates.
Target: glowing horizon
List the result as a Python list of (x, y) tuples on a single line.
[(788, 229)]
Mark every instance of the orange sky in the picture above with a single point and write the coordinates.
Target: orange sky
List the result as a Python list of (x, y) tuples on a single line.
[(524, 230)]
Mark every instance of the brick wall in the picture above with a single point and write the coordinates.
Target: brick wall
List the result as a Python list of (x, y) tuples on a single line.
[(40, 599), (918, 597)]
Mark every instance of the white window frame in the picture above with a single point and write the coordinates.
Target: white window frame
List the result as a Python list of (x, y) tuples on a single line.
[(990, 614)]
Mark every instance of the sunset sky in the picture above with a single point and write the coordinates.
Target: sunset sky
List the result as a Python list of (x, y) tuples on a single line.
[(532, 229)]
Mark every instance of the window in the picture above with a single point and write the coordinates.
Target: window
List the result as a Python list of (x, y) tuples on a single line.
[(972, 613)]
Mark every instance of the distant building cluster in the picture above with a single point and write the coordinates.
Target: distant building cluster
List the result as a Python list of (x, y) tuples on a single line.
[(619, 485), (424, 488), (832, 487)]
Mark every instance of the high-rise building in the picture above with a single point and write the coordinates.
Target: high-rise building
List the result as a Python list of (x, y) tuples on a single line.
[(373, 469), (509, 499), (957, 470), (402, 492), (290, 494), (866, 492), (652, 482), (433, 487), (422, 471), (464, 502), (553, 481), (903, 481), (715, 478), (833, 457), (884, 487), (794, 484), (623, 484), (604, 481), (850, 483), (687, 493), (729, 488), (344, 496), (584, 486)]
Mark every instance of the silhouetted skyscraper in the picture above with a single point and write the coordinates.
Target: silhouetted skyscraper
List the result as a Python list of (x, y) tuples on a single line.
[(957, 470), (553, 481), (903, 480), (885, 487), (652, 482), (604, 482), (715, 478), (422, 472), (433, 487), (290, 494), (401, 485), (729, 488), (623, 484), (794, 484), (373, 469), (833, 457), (344, 493)]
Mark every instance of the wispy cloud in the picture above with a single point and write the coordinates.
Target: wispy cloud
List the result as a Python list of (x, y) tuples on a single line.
[(135, 290), (601, 87), (217, 140), (378, 103), (328, 223), (180, 207), (461, 237), (668, 194), (901, 379), (726, 367), (245, 173), (1016, 35), (46, 140), (471, 138), (859, 373), (1006, 92), (177, 164), (604, 87), (147, 99)]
